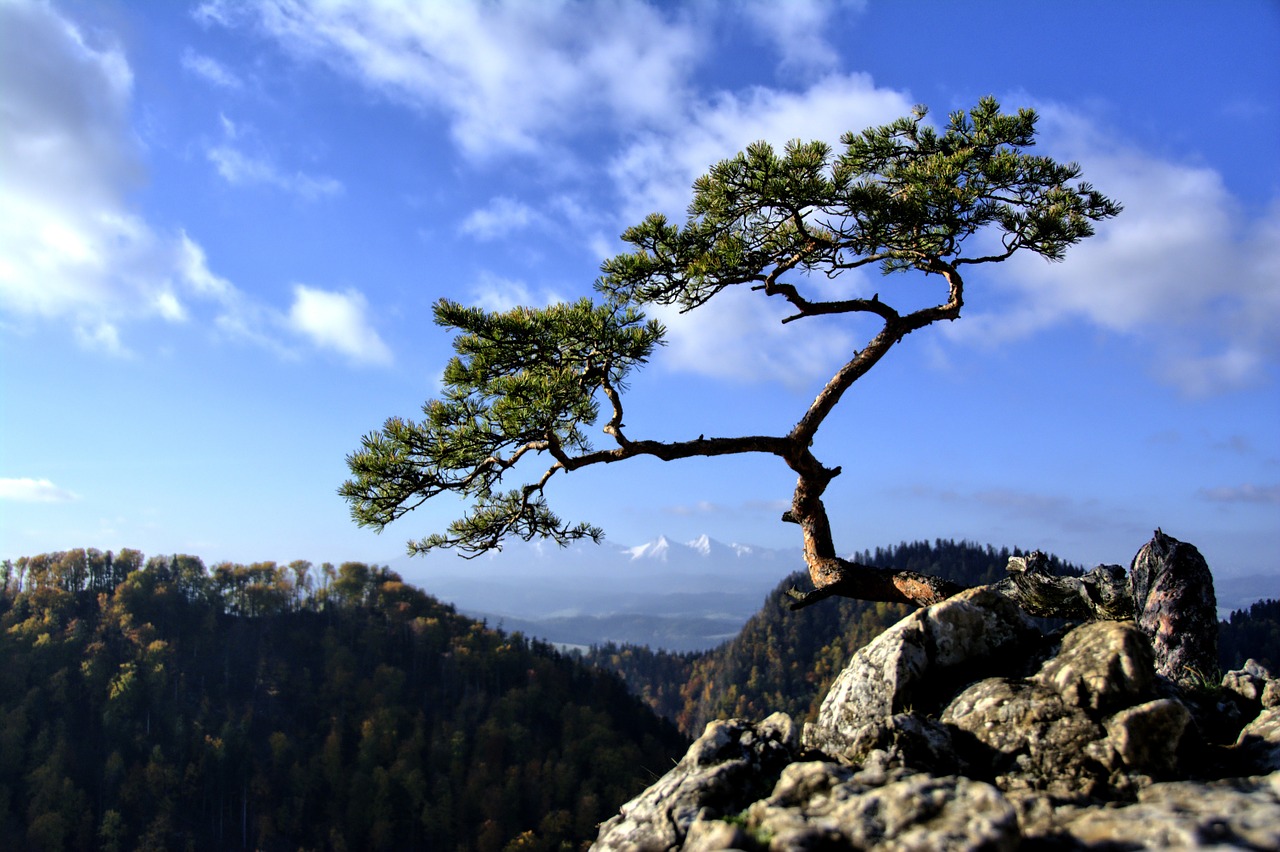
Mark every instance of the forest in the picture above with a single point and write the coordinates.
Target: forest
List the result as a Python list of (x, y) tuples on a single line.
[(161, 705)]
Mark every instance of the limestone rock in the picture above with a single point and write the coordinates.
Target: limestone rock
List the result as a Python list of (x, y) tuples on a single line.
[(731, 765), (824, 805), (1238, 814), (1146, 737), (1176, 607), (1033, 737), (1101, 666), (912, 665), (1252, 688), (1259, 742), (962, 728)]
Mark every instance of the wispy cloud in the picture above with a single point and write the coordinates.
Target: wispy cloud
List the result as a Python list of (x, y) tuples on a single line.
[(1247, 493), (798, 30), (210, 70), (339, 322), (502, 216), (241, 169), (34, 491), (497, 293), (509, 77)]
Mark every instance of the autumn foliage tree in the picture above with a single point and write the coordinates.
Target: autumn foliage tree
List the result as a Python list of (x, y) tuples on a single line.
[(527, 387)]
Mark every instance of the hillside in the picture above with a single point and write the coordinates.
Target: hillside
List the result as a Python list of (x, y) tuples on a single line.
[(163, 705)]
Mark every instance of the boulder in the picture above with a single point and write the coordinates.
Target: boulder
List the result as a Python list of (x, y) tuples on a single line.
[(823, 805), (1259, 742), (1032, 737), (731, 765), (916, 664), (1176, 608), (1101, 666)]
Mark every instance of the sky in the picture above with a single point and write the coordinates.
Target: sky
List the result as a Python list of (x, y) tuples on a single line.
[(223, 226)]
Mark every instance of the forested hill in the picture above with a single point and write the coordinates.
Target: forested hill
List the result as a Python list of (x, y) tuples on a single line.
[(160, 705)]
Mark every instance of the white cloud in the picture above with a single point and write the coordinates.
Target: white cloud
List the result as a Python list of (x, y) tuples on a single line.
[(1181, 268), (1248, 493), (338, 321), (496, 293), (71, 250), (509, 76), (798, 30), (241, 169), (740, 334), (210, 69), (34, 491), (656, 172), (500, 217)]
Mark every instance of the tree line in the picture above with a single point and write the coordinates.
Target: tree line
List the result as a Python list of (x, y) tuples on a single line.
[(157, 704)]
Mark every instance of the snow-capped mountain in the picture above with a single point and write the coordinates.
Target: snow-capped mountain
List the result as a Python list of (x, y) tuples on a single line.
[(660, 577)]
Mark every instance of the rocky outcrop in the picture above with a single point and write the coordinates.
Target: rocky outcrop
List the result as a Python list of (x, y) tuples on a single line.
[(1176, 608), (962, 727)]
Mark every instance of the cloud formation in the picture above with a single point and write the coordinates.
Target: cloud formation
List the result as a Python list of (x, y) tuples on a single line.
[(210, 70), (339, 322), (1247, 493), (71, 249), (1182, 268), (510, 77), (34, 491)]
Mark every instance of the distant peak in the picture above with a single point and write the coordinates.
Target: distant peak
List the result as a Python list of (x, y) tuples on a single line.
[(656, 549)]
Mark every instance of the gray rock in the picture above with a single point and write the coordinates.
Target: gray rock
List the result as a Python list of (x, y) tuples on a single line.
[(822, 806), (906, 740), (712, 835), (910, 665), (1036, 740), (1101, 666), (1176, 608), (1146, 737), (1066, 758), (1241, 813), (1254, 684), (731, 765), (1259, 742)]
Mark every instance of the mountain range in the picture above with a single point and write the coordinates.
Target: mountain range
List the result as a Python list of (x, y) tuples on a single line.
[(664, 593)]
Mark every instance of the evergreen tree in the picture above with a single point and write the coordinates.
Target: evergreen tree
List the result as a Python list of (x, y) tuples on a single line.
[(530, 384)]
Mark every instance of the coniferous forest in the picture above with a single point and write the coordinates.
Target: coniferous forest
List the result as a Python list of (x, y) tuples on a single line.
[(160, 705)]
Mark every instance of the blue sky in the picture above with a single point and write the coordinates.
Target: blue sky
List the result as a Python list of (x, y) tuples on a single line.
[(223, 224)]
